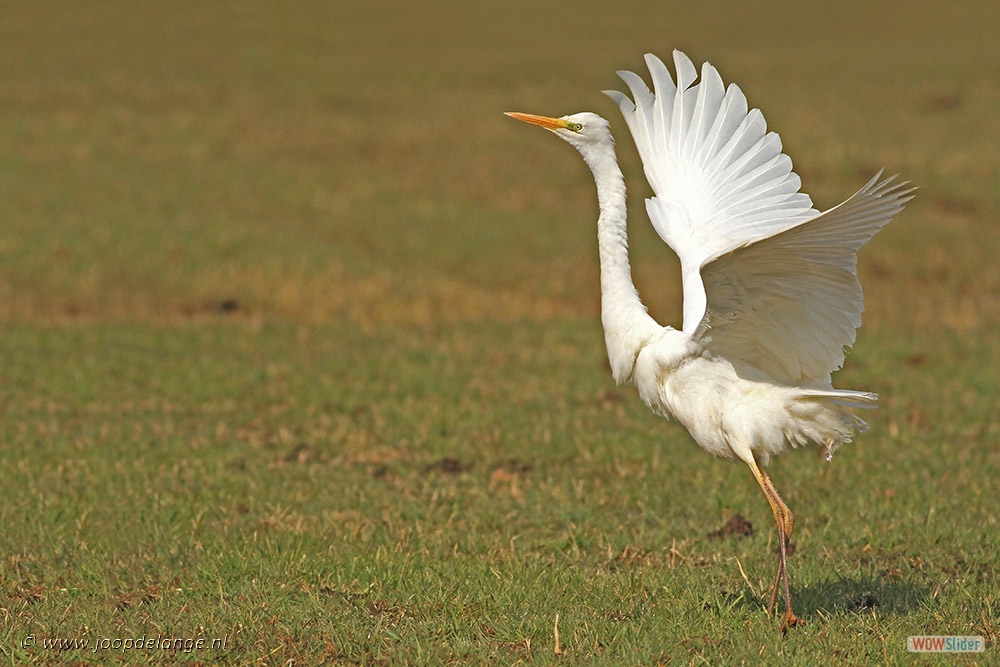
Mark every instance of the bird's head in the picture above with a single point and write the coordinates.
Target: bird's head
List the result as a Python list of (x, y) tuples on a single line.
[(584, 131)]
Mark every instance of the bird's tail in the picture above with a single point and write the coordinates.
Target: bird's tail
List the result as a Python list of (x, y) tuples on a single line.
[(844, 397), (836, 424)]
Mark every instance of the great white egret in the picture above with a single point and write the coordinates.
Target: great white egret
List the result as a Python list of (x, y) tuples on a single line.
[(771, 294)]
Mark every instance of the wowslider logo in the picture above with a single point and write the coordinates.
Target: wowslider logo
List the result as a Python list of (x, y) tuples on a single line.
[(945, 644)]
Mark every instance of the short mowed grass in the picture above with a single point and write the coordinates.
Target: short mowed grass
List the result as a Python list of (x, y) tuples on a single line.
[(300, 345)]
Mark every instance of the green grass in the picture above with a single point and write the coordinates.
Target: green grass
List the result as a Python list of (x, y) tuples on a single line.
[(300, 345)]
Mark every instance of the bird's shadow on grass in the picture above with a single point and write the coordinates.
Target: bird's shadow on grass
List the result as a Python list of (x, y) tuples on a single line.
[(858, 595)]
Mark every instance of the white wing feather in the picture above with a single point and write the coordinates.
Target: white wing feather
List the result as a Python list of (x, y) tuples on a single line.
[(719, 177), (788, 304), (767, 279)]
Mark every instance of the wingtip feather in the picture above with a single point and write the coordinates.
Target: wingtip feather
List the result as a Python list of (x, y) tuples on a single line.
[(621, 99), (653, 61), (686, 71)]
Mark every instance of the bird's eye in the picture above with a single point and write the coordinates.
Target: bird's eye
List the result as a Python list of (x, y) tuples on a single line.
[(576, 127)]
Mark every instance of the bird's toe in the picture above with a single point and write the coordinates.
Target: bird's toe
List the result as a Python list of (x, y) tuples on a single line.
[(791, 621)]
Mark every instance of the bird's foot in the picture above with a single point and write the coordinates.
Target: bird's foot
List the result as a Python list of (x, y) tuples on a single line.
[(791, 621)]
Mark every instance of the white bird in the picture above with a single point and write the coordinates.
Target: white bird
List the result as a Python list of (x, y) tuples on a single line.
[(771, 294)]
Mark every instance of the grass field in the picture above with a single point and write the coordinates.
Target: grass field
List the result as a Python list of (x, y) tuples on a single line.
[(301, 350)]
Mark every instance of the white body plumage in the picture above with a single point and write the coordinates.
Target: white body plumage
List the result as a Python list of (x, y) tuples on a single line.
[(739, 413)]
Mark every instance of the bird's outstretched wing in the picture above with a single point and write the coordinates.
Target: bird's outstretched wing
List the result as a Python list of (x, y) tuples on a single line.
[(719, 177), (766, 277), (791, 302)]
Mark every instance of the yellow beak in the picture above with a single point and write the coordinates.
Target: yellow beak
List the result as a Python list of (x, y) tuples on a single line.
[(543, 121)]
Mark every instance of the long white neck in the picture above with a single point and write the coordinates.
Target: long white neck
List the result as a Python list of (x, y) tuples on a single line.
[(627, 326)]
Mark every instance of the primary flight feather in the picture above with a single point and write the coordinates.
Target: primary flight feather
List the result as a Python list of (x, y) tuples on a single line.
[(771, 294)]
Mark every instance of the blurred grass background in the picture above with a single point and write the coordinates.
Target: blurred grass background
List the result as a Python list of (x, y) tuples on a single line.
[(300, 339)]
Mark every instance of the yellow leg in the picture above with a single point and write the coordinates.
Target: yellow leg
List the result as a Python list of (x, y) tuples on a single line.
[(785, 521)]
